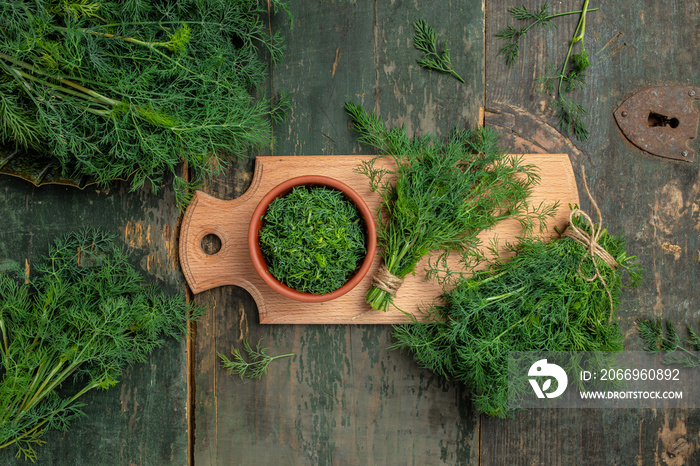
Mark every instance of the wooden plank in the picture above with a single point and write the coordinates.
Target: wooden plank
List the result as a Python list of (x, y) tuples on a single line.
[(224, 322), (142, 420), (633, 45), (343, 398), (232, 265)]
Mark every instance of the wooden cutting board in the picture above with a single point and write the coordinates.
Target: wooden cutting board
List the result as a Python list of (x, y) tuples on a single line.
[(232, 265)]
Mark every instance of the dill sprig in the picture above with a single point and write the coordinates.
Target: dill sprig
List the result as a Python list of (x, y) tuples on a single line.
[(313, 239), (253, 369), (669, 342), (539, 300), (85, 314), (567, 77), (425, 40), (132, 89), (441, 195), (541, 17)]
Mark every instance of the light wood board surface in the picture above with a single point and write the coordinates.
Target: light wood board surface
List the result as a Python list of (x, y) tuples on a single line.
[(232, 265)]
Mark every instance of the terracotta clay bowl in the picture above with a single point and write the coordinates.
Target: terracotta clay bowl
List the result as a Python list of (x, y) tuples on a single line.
[(257, 221)]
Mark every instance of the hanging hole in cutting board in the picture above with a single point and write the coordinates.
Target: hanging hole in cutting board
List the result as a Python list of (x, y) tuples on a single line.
[(656, 119), (211, 244)]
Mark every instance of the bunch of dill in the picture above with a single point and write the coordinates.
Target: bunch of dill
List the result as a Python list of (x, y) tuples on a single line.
[(313, 239), (441, 195), (83, 316), (540, 300), (131, 89)]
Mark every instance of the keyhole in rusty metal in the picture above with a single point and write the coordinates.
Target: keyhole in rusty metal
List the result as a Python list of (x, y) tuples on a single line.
[(656, 119)]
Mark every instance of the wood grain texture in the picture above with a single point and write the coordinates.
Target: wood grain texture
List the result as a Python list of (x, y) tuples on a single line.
[(142, 420), (654, 202), (344, 398), (232, 265)]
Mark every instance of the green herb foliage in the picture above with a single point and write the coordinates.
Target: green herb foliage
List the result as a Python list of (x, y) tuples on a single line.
[(84, 316), (537, 301), (441, 194), (676, 350), (564, 78), (313, 239), (253, 369), (119, 89), (425, 40)]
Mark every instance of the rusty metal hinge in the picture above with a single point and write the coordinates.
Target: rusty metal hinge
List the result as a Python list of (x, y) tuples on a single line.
[(661, 120)]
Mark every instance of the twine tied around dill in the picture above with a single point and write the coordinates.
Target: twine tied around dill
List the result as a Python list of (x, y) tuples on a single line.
[(590, 241), (386, 281)]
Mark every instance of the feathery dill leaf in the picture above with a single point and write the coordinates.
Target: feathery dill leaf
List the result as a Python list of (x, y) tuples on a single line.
[(675, 350), (441, 195), (536, 301), (85, 314), (425, 40), (570, 118), (539, 18), (131, 89), (253, 369)]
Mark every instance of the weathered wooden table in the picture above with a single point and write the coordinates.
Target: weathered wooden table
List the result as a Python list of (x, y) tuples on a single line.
[(344, 398)]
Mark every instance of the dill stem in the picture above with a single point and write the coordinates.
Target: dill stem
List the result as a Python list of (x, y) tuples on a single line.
[(454, 73), (21, 64), (37, 378), (578, 36), (61, 377), (159, 23), (114, 36), (43, 390), (4, 341), (102, 113), (150, 45), (39, 394), (89, 92), (9, 410), (489, 279), (503, 296), (583, 10), (511, 328), (25, 434), (692, 353), (81, 92), (519, 322), (556, 15), (440, 336), (49, 417), (377, 298), (84, 90), (62, 89)]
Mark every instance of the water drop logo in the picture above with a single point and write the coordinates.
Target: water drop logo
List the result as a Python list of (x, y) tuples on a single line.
[(542, 369)]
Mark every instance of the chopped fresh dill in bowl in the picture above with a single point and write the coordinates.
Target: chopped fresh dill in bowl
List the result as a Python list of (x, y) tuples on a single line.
[(313, 239)]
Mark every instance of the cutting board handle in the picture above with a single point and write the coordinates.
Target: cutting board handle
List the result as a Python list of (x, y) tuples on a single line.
[(228, 220)]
